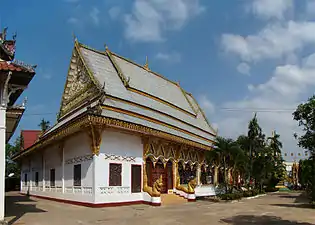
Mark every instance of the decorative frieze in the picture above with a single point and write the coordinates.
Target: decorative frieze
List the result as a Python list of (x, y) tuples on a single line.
[(79, 159), (114, 190), (120, 158)]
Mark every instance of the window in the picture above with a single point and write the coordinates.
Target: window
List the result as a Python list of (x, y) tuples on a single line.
[(291, 154), (52, 178), (36, 179), (25, 179), (77, 175), (299, 154), (114, 174), (135, 178), (285, 154)]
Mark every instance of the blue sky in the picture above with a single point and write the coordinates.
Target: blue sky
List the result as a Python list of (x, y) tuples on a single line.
[(236, 57)]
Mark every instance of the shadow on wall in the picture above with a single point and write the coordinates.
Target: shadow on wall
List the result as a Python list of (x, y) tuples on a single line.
[(18, 205), (261, 220)]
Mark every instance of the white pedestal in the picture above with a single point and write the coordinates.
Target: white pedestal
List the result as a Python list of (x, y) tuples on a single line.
[(156, 201)]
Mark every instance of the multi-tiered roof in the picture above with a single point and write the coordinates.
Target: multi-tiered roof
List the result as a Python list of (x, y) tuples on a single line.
[(121, 93)]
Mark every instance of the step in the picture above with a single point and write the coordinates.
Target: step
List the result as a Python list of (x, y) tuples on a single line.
[(172, 199)]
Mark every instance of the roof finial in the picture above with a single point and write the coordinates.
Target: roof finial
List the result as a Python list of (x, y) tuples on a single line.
[(146, 65), (106, 47), (74, 37)]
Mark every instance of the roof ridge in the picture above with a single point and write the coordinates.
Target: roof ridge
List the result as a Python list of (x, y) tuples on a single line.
[(143, 67)]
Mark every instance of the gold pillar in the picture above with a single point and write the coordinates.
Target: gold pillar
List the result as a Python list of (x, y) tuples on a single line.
[(215, 177), (198, 174), (174, 169)]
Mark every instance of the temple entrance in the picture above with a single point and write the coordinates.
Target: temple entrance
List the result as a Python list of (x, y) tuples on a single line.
[(169, 169), (154, 173)]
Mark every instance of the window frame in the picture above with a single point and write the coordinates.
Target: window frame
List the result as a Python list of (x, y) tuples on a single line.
[(74, 176), (36, 178), (112, 183), (132, 190), (52, 182)]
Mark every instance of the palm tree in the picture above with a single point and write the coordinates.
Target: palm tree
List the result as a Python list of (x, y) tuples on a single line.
[(222, 155), (44, 125)]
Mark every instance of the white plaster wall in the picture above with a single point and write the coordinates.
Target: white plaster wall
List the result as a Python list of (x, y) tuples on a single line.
[(74, 146), (53, 160), (77, 146), (118, 144)]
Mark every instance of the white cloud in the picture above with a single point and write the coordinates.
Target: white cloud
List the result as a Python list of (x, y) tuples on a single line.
[(206, 104), (267, 9), (173, 57), (94, 14), (275, 100), (149, 19), (310, 7), (276, 40), (114, 12), (73, 20), (243, 68)]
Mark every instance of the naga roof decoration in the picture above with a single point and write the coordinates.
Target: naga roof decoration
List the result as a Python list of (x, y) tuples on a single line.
[(16, 66), (131, 94), (8, 46)]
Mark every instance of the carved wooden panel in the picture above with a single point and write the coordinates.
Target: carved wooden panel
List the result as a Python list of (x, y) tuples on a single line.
[(79, 86), (115, 174)]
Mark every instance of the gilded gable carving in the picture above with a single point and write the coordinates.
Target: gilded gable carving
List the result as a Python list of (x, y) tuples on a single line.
[(160, 149), (79, 86)]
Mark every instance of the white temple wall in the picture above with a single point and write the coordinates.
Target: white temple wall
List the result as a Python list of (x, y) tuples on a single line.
[(120, 148), (76, 151)]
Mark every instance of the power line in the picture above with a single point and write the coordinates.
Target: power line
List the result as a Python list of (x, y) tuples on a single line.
[(279, 110)]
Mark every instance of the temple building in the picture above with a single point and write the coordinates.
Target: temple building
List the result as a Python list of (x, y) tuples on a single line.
[(124, 134)]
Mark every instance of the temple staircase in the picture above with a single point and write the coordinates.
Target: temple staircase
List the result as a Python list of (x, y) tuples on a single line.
[(172, 199)]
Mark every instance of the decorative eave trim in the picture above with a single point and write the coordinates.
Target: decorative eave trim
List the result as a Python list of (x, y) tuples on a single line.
[(155, 121), (122, 77), (77, 46), (79, 123), (114, 123), (191, 106), (157, 111)]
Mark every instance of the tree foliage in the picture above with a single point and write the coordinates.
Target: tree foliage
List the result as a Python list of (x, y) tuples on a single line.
[(305, 115), (252, 157), (44, 125), (13, 167)]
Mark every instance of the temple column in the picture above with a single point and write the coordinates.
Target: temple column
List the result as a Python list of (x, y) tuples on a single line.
[(215, 178), (198, 173), (174, 165), (44, 165), (63, 168)]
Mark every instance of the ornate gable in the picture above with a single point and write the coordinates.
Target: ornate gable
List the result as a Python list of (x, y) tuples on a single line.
[(80, 87)]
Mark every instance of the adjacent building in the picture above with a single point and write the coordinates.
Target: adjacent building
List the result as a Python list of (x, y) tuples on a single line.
[(14, 79)]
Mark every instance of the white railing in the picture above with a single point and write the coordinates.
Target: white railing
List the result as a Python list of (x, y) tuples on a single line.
[(79, 190), (114, 190), (57, 189)]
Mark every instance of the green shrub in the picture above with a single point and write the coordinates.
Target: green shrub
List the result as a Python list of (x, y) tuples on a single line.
[(271, 189), (231, 196)]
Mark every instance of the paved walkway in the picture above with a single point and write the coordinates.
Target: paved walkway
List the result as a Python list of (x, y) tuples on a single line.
[(279, 208)]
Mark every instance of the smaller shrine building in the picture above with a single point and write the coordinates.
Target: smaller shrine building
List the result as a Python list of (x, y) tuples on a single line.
[(124, 135)]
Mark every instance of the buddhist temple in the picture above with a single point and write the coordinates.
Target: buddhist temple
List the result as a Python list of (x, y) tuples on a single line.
[(124, 135)]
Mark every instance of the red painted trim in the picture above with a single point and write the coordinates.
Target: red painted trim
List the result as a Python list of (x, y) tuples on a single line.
[(93, 205)]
